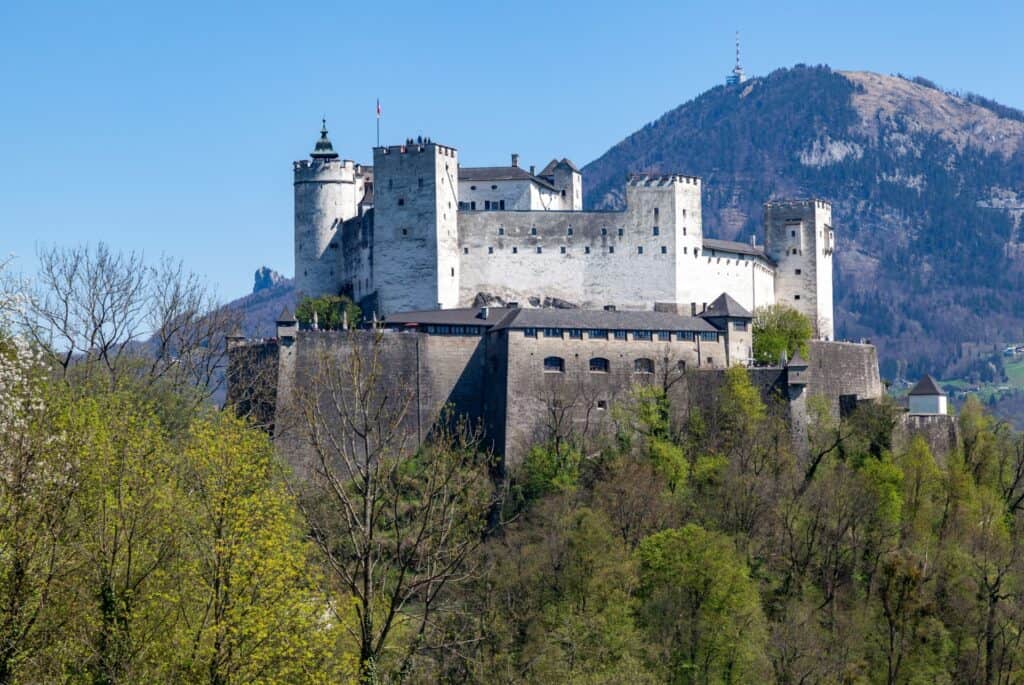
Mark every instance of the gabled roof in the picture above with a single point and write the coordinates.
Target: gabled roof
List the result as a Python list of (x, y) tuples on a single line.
[(735, 247), (500, 173), (724, 306), (286, 316), (797, 361), (549, 170), (603, 319), (449, 317), (927, 386)]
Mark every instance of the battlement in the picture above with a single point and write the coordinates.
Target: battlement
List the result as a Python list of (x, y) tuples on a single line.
[(798, 204), (415, 148), (334, 170), (660, 181)]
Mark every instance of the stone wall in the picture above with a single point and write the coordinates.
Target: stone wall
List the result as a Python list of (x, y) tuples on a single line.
[(836, 369), (940, 431)]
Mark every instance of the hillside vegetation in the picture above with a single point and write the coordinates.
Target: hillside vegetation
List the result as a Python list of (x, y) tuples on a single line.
[(927, 190)]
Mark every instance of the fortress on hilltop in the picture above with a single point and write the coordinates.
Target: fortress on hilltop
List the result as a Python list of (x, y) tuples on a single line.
[(416, 231), (497, 298)]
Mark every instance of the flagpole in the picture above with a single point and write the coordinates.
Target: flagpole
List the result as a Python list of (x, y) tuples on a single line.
[(378, 122)]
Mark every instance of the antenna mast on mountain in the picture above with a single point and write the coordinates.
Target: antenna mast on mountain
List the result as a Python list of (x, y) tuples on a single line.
[(737, 76)]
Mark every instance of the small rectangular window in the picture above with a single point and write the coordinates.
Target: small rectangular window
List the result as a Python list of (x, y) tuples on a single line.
[(602, 405), (530, 332), (421, 182), (533, 231), (664, 336), (620, 335), (739, 325), (539, 249), (664, 250), (563, 249), (597, 334), (552, 332), (575, 334), (586, 249), (569, 231), (405, 231), (502, 204), (465, 250), (655, 212), (501, 230), (604, 231), (490, 250), (640, 249), (515, 250), (799, 271), (621, 232), (709, 336), (472, 205), (657, 231), (796, 297), (641, 335), (401, 201), (611, 249)]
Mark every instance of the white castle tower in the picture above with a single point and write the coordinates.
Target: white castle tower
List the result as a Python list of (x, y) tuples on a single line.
[(327, 193), (800, 239), (416, 233)]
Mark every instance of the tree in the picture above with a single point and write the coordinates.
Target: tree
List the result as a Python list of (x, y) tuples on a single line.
[(700, 607), (395, 523), (332, 312), (103, 313), (779, 330)]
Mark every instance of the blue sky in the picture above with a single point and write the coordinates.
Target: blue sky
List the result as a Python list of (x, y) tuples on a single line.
[(171, 127)]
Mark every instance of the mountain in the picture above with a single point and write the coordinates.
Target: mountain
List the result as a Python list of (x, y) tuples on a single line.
[(271, 293), (927, 189)]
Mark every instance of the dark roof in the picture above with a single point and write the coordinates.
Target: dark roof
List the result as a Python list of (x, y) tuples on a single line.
[(797, 361), (725, 306), (736, 247), (599, 318), (549, 170), (505, 317), (500, 173), (927, 386), (449, 317), (285, 316), (324, 149)]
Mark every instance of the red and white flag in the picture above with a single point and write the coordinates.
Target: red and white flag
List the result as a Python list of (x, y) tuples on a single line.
[(379, 111)]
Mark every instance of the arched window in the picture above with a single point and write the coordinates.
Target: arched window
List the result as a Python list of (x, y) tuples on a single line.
[(643, 365), (598, 365), (554, 365)]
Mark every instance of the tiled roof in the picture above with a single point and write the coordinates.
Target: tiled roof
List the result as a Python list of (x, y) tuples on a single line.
[(599, 318), (725, 306), (500, 173), (927, 386), (735, 247)]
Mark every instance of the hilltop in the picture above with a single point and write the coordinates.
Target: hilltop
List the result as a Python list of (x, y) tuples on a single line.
[(927, 189)]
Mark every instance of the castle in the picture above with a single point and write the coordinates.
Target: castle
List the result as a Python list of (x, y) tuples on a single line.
[(417, 231)]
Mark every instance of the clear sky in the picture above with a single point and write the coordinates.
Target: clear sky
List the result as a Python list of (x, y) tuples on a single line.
[(171, 127)]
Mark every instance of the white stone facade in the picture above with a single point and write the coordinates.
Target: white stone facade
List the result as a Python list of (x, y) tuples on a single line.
[(441, 236)]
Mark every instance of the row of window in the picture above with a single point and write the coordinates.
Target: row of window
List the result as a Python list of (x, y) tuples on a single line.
[(489, 205), (454, 330), (602, 365), (568, 231), (603, 334)]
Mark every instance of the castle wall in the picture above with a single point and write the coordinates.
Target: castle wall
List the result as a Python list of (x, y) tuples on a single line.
[(415, 244), (536, 400), (839, 368), (941, 432), (325, 197)]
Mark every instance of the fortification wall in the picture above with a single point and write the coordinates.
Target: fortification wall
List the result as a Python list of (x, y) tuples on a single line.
[(420, 373), (838, 369), (940, 431), (539, 403)]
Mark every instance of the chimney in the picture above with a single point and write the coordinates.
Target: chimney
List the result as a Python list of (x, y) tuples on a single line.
[(533, 170), (703, 307), (693, 309), (515, 159)]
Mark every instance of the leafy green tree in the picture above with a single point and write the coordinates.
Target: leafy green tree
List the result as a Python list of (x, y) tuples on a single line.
[(779, 329), (331, 312), (700, 608)]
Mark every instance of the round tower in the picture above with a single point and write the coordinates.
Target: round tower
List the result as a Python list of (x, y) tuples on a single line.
[(325, 197)]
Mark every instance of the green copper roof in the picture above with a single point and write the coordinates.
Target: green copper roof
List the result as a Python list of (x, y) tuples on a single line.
[(324, 149)]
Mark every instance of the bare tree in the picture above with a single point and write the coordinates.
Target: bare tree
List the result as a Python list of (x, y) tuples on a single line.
[(100, 312), (395, 523)]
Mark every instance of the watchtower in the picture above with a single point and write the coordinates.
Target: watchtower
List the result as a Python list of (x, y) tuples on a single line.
[(415, 248), (800, 239), (327, 193)]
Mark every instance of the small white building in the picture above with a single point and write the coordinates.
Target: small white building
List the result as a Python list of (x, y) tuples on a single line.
[(927, 397)]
